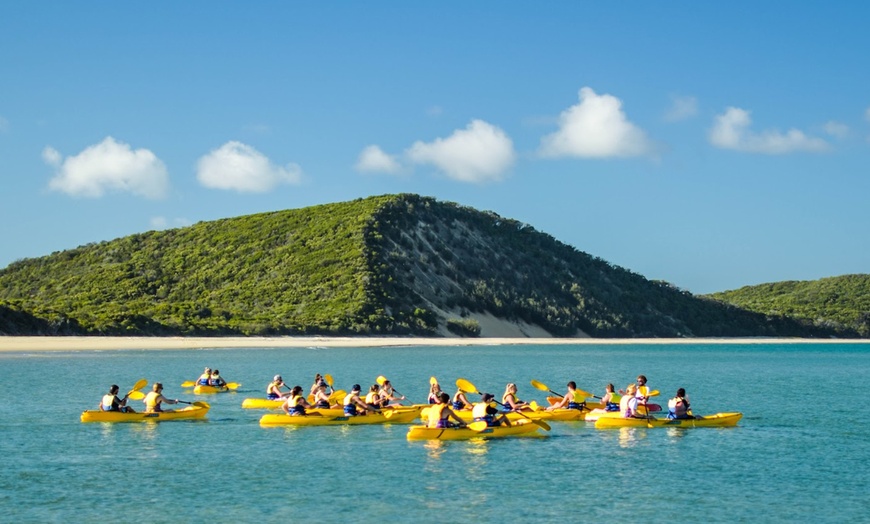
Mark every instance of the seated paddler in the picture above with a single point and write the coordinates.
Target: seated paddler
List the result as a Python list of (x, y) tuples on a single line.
[(487, 410), (111, 402), (440, 414), (571, 400), (296, 404)]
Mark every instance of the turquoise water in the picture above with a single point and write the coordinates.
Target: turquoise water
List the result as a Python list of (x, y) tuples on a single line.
[(800, 453)]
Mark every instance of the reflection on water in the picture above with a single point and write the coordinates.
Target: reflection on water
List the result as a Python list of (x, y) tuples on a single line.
[(631, 437), (434, 449)]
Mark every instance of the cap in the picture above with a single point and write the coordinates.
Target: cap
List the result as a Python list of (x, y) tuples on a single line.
[(322, 383), (278, 378), (487, 396), (355, 387)]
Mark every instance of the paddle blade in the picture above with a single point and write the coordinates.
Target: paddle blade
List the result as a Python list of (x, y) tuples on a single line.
[(478, 426), (136, 395), (433, 381), (465, 386), (141, 383), (654, 393), (233, 385), (584, 393), (188, 384), (201, 404), (337, 396), (328, 379), (388, 413), (380, 380), (534, 405), (544, 425), (539, 385)]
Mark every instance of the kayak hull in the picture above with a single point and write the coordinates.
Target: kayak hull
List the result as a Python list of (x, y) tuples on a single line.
[(718, 420), (208, 390), (188, 413), (281, 419), (560, 414), (521, 429)]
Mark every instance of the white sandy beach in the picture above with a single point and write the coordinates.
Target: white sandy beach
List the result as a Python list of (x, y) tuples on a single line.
[(34, 344)]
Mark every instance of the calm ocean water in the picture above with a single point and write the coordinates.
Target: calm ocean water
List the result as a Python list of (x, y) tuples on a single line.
[(801, 452)]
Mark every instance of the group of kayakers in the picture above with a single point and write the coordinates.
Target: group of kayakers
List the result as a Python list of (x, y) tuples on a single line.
[(211, 377), (153, 400)]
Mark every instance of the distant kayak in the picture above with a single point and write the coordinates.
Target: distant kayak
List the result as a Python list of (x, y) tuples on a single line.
[(397, 417), (195, 411), (707, 421)]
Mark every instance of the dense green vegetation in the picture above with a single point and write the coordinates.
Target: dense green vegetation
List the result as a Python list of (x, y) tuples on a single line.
[(840, 303), (394, 264)]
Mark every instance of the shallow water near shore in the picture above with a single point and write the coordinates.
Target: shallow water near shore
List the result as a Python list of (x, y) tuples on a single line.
[(800, 452)]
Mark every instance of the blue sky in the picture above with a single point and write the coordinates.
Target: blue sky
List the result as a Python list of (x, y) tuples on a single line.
[(711, 146)]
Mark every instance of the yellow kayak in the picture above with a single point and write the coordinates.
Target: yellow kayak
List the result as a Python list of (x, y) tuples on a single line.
[(522, 428), (394, 417), (195, 411), (560, 414), (718, 420)]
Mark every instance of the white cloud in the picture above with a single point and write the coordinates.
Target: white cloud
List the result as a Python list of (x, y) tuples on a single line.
[(595, 128), (682, 108), (240, 167), (161, 222), (479, 153), (108, 166), (372, 159), (836, 129), (731, 131)]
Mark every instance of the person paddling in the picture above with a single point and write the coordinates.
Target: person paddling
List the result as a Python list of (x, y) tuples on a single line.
[(434, 393), (572, 399), (440, 414), (487, 410), (216, 380), (352, 403), (154, 399), (373, 397), (460, 401), (296, 403), (678, 407), (321, 397), (628, 402), (204, 379), (273, 390), (610, 400), (511, 401), (388, 395), (111, 402)]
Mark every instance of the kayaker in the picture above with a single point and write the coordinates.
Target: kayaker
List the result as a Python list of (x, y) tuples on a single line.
[(460, 401), (440, 414), (273, 390), (388, 395), (511, 401), (487, 410), (434, 393), (204, 378), (373, 397), (628, 402), (216, 380), (642, 392), (610, 400), (572, 399), (111, 402), (352, 403), (318, 381), (321, 397), (296, 403), (154, 399), (678, 407)]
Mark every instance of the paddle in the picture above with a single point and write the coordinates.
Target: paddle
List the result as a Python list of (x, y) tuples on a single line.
[(329, 382), (478, 426), (468, 387), (233, 385), (433, 381), (337, 395), (543, 387), (188, 384), (135, 395), (198, 403)]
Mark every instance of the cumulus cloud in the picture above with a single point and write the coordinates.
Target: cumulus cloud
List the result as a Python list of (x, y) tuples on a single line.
[(731, 131), (836, 129), (372, 159), (239, 167), (108, 166), (682, 108), (595, 128), (479, 153)]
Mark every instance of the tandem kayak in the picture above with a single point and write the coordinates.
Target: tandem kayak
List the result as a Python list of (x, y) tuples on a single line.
[(559, 414), (203, 390), (195, 411), (719, 420), (522, 428), (281, 419)]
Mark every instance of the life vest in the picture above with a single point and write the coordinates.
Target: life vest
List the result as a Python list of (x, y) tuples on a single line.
[(435, 418), (216, 381), (628, 406), (151, 402), (579, 398), (274, 385), (372, 398), (348, 400), (203, 379), (678, 407), (481, 410), (504, 400), (613, 403), (642, 391), (108, 403)]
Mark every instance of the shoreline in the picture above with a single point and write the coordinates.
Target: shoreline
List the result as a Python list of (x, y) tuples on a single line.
[(14, 344)]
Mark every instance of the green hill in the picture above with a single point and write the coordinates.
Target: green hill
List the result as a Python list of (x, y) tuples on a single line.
[(840, 303), (394, 264)]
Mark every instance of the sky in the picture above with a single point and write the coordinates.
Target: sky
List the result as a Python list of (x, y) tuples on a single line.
[(710, 145)]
